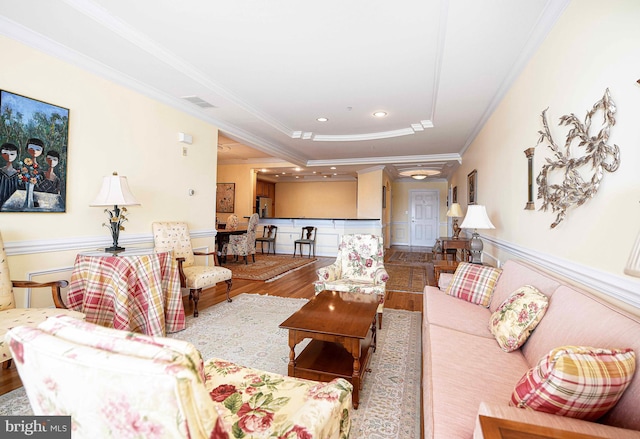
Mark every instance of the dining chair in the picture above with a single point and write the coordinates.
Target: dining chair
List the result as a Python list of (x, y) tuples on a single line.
[(232, 222), (175, 237), (11, 316), (245, 244), (307, 237), (269, 234)]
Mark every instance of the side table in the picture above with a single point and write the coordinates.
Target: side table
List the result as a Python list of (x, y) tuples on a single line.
[(443, 266), (137, 290)]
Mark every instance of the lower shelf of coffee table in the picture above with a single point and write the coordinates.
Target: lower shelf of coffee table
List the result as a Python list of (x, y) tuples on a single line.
[(324, 361)]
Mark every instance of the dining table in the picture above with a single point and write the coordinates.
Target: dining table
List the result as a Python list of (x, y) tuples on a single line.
[(136, 291), (222, 238)]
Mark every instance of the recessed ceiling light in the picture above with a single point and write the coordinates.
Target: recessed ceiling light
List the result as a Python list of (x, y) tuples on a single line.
[(277, 175), (380, 113), (314, 172), (298, 169), (322, 119), (297, 176), (333, 167), (335, 173), (264, 170)]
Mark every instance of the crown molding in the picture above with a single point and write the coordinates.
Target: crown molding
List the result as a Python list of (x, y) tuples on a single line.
[(552, 12), (388, 160)]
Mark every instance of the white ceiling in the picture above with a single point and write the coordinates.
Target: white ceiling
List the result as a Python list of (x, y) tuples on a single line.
[(271, 68)]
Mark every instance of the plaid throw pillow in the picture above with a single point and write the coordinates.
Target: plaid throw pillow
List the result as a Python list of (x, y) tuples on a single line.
[(474, 283), (577, 382)]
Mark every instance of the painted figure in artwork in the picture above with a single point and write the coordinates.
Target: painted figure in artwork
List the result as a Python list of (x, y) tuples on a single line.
[(51, 183), (35, 147), (9, 176)]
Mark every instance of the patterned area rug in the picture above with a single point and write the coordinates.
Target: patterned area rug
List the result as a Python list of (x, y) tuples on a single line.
[(266, 268), (407, 278), (246, 331), (409, 257)]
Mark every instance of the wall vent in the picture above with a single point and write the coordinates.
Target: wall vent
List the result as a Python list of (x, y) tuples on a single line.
[(198, 101)]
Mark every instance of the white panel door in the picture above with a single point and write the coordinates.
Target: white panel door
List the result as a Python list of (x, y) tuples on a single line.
[(424, 218)]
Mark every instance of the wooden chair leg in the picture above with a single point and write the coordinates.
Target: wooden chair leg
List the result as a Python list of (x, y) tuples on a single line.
[(379, 320), (195, 294), (228, 281)]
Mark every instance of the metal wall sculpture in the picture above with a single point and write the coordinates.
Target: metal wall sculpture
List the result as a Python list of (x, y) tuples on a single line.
[(579, 183)]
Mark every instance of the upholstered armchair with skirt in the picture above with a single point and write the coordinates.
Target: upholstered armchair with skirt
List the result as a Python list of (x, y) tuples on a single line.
[(245, 244), (358, 268), (10, 316), (175, 237), (120, 384)]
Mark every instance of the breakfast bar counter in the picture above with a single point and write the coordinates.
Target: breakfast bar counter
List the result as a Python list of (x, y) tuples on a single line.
[(328, 235)]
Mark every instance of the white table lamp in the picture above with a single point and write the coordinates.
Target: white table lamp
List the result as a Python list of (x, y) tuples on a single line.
[(475, 219), (115, 192), (455, 212)]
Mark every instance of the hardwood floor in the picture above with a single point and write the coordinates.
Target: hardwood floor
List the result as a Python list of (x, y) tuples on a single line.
[(297, 284)]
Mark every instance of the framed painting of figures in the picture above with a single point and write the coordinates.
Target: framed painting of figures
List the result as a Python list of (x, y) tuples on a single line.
[(33, 141)]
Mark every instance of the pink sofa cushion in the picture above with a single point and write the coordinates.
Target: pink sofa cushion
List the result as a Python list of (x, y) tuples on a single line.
[(577, 318), (447, 311), (474, 283), (514, 275), (456, 379), (577, 382), (517, 316)]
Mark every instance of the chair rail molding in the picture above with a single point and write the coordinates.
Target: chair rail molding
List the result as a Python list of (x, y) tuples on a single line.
[(618, 287), (14, 248)]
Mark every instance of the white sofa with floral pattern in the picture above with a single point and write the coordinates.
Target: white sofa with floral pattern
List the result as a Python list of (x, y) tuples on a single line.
[(120, 384), (358, 268)]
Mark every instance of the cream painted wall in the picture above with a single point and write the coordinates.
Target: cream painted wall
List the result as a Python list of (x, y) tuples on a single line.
[(370, 193), (316, 199), (111, 129), (593, 46), (400, 225), (244, 178)]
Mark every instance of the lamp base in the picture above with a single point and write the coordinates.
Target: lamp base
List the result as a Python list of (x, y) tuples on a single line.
[(456, 229), (476, 249), (114, 249)]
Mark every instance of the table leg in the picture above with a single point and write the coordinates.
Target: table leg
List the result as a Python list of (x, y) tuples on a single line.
[(354, 350), (292, 353)]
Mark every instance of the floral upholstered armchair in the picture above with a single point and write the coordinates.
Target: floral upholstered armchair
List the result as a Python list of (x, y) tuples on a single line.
[(245, 244), (11, 316), (359, 268), (120, 384)]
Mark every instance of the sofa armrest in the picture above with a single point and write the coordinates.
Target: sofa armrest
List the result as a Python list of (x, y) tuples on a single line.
[(330, 272), (444, 281), (380, 276), (504, 411)]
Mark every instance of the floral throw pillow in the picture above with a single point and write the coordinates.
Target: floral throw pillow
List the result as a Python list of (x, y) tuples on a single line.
[(515, 319), (577, 382), (474, 283)]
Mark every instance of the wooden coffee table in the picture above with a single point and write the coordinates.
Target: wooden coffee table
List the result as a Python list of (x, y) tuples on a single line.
[(342, 329)]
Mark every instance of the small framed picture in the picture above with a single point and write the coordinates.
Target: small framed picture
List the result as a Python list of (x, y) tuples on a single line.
[(454, 194), (472, 187)]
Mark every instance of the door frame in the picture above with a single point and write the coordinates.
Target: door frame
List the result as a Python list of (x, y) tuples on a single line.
[(437, 208)]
